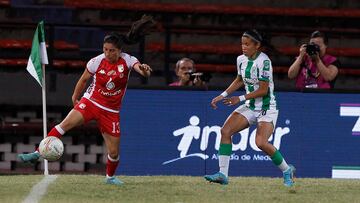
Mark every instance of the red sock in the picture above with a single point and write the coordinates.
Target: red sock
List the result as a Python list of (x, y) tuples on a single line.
[(111, 166), (56, 131)]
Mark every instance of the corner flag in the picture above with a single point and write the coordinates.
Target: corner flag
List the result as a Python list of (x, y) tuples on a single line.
[(36, 67), (38, 54)]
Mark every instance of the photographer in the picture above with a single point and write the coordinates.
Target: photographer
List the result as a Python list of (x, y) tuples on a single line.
[(313, 68), (185, 71)]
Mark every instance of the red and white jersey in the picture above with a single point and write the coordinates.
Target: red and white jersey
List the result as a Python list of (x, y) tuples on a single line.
[(109, 81)]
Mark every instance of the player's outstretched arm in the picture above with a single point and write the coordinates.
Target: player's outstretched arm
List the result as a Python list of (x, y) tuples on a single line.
[(236, 84)]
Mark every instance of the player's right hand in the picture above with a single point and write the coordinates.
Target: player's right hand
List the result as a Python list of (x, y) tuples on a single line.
[(216, 100)]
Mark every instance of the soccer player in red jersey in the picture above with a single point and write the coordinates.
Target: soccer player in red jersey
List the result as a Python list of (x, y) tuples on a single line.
[(102, 99)]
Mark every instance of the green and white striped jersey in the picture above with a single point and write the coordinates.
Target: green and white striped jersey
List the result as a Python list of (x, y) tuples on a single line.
[(253, 71)]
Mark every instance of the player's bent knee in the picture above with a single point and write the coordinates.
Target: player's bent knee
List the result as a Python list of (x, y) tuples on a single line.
[(260, 143), (225, 132)]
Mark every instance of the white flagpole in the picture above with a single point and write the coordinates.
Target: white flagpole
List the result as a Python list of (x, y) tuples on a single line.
[(46, 168)]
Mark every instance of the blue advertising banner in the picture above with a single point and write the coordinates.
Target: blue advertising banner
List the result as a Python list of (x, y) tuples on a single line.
[(175, 132)]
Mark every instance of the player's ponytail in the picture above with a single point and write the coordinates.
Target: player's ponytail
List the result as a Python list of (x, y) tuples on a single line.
[(267, 47), (137, 31)]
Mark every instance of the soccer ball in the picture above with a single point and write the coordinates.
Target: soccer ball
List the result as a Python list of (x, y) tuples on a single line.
[(51, 148)]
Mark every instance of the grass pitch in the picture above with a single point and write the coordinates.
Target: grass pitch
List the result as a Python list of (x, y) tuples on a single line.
[(176, 189)]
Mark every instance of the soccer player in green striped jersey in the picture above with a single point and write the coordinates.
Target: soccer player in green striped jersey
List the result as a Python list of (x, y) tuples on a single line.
[(255, 73)]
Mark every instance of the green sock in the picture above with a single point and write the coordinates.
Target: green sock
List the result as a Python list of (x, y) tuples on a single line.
[(225, 149), (277, 158), (279, 161), (224, 158)]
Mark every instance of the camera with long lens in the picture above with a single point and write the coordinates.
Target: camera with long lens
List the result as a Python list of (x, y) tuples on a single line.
[(203, 76), (312, 49)]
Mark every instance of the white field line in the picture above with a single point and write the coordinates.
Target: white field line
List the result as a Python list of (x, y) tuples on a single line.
[(39, 189)]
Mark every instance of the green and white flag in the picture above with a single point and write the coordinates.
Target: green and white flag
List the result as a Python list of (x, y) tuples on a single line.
[(38, 54)]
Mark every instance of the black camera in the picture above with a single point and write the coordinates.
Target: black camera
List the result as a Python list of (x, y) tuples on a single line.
[(312, 49), (203, 76)]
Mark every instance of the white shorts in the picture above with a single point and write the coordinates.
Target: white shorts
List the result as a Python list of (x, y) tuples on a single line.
[(255, 116)]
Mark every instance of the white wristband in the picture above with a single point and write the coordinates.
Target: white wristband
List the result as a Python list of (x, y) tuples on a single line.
[(224, 94), (242, 98)]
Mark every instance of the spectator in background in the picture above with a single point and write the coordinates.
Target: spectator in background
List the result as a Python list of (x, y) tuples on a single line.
[(314, 68), (184, 70)]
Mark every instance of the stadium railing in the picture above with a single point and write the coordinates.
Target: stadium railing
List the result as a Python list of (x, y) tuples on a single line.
[(227, 68), (26, 44), (212, 8), (236, 49), (56, 63), (4, 3)]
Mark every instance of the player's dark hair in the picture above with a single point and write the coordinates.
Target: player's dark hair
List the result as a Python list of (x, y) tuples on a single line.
[(253, 35), (116, 39), (317, 33), (263, 39), (137, 31)]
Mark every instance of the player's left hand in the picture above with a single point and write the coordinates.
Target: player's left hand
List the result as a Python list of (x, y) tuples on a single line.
[(231, 101)]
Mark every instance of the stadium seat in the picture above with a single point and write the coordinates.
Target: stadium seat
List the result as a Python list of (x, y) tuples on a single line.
[(4, 3), (59, 63), (351, 52), (13, 62), (56, 63), (26, 44), (198, 48), (76, 64), (15, 44), (347, 71), (63, 45), (69, 64), (222, 68), (236, 49), (228, 68), (212, 8)]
